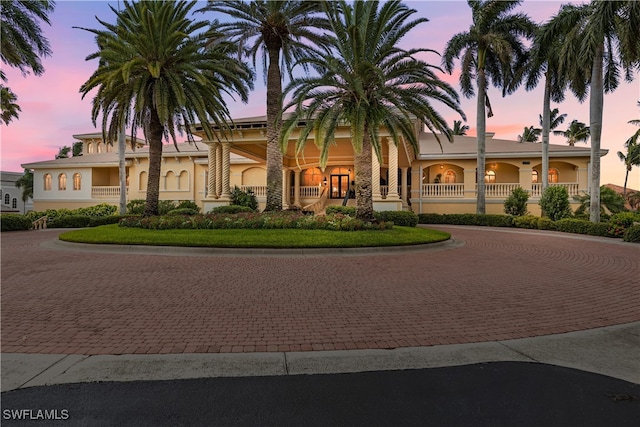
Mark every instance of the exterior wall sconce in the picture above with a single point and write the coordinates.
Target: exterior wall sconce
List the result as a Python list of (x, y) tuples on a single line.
[(324, 181), (441, 166)]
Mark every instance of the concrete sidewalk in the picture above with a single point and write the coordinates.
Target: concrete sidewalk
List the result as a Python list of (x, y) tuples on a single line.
[(612, 351)]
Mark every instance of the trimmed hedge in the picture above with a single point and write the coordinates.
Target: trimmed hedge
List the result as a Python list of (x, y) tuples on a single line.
[(401, 218), (184, 211), (81, 221), (632, 234), (345, 210), (14, 222), (491, 220), (230, 209)]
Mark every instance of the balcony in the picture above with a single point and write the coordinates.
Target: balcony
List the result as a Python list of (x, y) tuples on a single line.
[(106, 191)]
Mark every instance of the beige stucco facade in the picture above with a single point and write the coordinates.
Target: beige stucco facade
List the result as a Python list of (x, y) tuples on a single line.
[(436, 178)]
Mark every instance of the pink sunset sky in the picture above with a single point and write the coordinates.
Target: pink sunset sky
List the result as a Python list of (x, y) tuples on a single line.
[(53, 110)]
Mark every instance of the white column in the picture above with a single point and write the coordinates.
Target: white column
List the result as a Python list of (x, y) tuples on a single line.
[(211, 178), (375, 177), (405, 185), (218, 170), (296, 187), (285, 188), (393, 172), (226, 170)]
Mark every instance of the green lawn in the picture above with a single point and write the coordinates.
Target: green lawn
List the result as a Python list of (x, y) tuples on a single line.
[(287, 238)]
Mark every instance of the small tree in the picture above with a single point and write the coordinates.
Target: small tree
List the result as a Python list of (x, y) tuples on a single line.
[(555, 203), (516, 203), (240, 197)]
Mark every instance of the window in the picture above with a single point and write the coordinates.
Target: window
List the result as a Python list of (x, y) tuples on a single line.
[(14, 203), (77, 182), (311, 177), (490, 176), (90, 148), (62, 182), (6, 199), (450, 177), (47, 182), (553, 176), (99, 147), (534, 176)]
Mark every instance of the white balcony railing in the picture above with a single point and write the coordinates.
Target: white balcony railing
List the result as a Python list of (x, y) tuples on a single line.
[(384, 190), (258, 190), (499, 190), (308, 192), (106, 191), (572, 188), (443, 190)]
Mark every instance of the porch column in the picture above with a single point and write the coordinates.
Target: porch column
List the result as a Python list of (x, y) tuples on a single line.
[(405, 186), (286, 188), (393, 171), (375, 177), (296, 187), (211, 178), (226, 162), (218, 170), (525, 179), (470, 183)]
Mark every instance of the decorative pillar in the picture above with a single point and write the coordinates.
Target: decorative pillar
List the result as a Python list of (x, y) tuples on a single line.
[(393, 171), (286, 188), (226, 170), (375, 177), (218, 170), (211, 178), (405, 186), (296, 187)]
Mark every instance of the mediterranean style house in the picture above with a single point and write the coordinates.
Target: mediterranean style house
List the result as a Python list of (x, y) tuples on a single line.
[(438, 178), (11, 195)]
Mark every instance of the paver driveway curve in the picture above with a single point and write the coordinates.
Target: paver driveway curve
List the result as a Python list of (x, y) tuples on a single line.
[(501, 284)]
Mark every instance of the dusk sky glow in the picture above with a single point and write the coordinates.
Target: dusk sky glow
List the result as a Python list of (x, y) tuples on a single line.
[(53, 111)]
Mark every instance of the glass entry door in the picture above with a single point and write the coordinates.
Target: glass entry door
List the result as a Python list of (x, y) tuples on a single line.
[(339, 186)]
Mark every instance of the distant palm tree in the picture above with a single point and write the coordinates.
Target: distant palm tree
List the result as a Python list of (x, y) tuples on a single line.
[(490, 51), (158, 71), (555, 119), (10, 110), (530, 134), (576, 132), (631, 158), (368, 82), (272, 28), (22, 44), (25, 182), (459, 128)]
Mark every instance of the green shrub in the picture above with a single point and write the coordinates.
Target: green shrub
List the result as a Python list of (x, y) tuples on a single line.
[(80, 221), (516, 203), (240, 197), (401, 218), (546, 224), (14, 222), (345, 210), (100, 210), (230, 209), (184, 211), (555, 203), (599, 229), (135, 207), (165, 206), (620, 222), (491, 220), (632, 234), (188, 204), (526, 221), (572, 225)]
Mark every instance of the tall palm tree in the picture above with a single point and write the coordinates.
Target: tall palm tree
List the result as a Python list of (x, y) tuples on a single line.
[(280, 31), (490, 51), (368, 82), (158, 72), (25, 182), (22, 44), (631, 158), (9, 108), (529, 134), (576, 132), (459, 128), (606, 44), (555, 119)]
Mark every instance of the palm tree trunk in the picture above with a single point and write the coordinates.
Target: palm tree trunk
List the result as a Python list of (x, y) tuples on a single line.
[(274, 154), (546, 115), (122, 171), (596, 102), (363, 173), (481, 138), (155, 162)]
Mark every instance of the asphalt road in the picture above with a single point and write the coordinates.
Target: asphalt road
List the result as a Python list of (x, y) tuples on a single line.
[(489, 394)]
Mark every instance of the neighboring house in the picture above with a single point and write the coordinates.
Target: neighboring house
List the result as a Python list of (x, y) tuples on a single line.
[(11, 195), (434, 179)]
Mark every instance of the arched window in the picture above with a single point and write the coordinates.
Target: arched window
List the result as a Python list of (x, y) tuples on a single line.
[(62, 182), (534, 176), (311, 177), (490, 176), (89, 148), (99, 147), (77, 182), (47, 182), (142, 182), (6, 199), (14, 203), (109, 147), (553, 175), (450, 177)]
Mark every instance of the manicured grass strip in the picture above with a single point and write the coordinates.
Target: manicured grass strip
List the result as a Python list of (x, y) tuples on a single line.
[(288, 238)]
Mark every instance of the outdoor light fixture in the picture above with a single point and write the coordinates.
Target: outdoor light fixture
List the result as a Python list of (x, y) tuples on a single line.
[(324, 181)]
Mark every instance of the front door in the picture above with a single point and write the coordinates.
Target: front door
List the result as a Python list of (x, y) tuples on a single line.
[(339, 186)]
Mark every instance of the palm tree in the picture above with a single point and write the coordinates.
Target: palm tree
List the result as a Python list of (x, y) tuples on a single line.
[(634, 200), (25, 182), (273, 28), (368, 82), (529, 134), (459, 128), (576, 132), (631, 158), (606, 43), (158, 71), (10, 110), (555, 119), (22, 44), (491, 51)]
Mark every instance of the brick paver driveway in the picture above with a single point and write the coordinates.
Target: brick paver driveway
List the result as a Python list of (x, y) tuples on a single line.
[(500, 284)]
